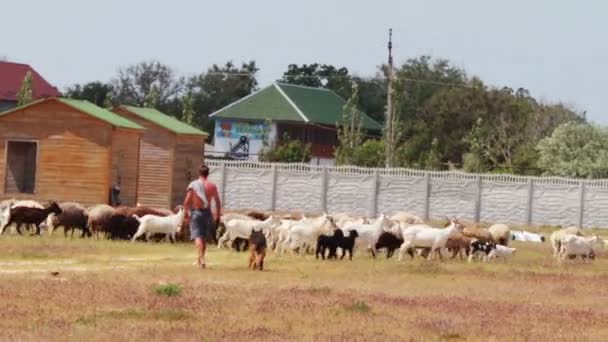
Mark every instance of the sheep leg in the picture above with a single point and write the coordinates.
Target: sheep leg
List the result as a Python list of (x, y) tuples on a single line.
[(137, 235), (19, 228), (403, 249), (4, 228)]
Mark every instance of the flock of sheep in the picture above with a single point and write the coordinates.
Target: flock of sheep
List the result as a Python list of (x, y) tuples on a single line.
[(325, 235), (116, 223), (407, 233)]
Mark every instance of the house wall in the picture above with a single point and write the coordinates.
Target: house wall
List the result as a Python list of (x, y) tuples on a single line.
[(73, 153), (189, 154), (155, 163), (228, 132), (125, 163)]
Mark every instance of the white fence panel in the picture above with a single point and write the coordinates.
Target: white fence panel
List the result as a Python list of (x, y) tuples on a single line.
[(401, 193), (299, 191), (248, 189), (504, 202), (555, 204), (350, 193), (452, 198), (595, 213)]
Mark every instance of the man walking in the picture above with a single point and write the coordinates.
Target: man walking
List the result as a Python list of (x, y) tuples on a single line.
[(197, 207)]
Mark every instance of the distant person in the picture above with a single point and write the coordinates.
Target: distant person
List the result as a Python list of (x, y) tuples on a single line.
[(197, 207)]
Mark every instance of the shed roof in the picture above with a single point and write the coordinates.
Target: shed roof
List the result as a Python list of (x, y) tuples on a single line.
[(288, 102), (168, 122), (87, 108), (11, 77)]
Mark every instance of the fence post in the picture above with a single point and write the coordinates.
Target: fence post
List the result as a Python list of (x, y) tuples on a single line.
[(223, 183), (324, 180), (373, 212), (273, 193), (427, 196), (530, 200), (581, 207), (478, 200)]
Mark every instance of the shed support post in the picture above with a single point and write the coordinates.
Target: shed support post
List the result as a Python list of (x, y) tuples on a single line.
[(530, 200), (273, 193), (324, 186), (477, 214), (581, 206), (427, 196), (373, 212)]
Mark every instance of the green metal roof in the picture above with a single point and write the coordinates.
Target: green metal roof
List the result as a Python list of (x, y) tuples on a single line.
[(287, 102), (267, 103), (170, 123), (87, 108)]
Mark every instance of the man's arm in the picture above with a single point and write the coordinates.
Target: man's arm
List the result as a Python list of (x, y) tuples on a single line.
[(218, 204), (188, 203)]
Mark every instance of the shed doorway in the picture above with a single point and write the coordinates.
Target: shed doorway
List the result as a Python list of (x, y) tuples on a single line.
[(21, 157)]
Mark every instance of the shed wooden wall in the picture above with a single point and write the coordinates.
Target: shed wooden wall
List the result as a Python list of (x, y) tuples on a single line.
[(73, 152), (125, 163), (155, 161), (189, 154)]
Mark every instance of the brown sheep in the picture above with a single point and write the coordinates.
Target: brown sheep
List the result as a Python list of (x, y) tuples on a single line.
[(481, 234), (457, 243)]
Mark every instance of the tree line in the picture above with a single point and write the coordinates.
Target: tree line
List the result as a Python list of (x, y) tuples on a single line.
[(445, 118)]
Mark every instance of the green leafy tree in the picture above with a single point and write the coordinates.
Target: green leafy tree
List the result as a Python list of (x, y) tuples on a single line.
[(287, 151), (350, 130), (371, 153), (135, 83), (317, 75), (25, 94), (152, 98), (219, 86), (188, 112), (97, 92), (575, 150)]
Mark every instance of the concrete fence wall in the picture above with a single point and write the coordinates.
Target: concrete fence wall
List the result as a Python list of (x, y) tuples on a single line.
[(430, 194)]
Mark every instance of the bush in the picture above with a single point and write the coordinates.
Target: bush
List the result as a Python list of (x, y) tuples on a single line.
[(287, 151), (169, 290)]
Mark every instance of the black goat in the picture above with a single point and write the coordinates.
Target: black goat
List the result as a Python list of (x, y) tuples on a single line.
[(27, 215), (348, 243), (326, 242), (120, 227), (390, 242)]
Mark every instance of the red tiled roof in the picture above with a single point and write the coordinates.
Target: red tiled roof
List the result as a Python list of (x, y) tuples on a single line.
[(11, 76)]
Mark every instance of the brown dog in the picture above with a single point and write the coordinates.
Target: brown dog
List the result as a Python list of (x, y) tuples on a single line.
[(257, 248)]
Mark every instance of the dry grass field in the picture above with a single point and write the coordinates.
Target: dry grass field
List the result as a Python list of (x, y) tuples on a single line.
[(117, 291)]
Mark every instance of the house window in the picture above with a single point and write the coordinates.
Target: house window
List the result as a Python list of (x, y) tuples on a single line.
[(21, 167)]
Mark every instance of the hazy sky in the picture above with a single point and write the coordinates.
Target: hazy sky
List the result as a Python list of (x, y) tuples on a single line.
[(556, 49)]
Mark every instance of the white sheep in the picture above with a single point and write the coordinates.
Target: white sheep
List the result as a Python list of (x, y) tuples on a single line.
[(423, 236), (406, 218), (241, 228), (152, 224), (369, 233), (501, 233), (305, 233), (558, 235), (574, 245), (501, 251)]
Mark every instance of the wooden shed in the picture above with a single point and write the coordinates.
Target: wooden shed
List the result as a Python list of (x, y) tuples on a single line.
[(68, 150), (169, 155)]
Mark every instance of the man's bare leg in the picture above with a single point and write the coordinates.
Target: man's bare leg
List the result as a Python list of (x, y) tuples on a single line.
[(200, 247)]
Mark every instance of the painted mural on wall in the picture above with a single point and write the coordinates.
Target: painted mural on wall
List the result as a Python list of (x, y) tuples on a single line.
[(235, 129)]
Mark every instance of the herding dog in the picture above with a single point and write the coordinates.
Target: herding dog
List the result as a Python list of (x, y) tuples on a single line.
[(257, 248)]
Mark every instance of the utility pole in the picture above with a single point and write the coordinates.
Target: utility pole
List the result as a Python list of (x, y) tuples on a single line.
[(388, 129)]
